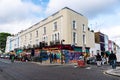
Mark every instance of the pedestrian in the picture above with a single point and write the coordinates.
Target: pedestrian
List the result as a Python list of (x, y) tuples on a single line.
[(55, 58), (62, 58), (104, 59), (112, 59), (26, 58), (98, 59), (40, 57), (12, 56), (51, 57)]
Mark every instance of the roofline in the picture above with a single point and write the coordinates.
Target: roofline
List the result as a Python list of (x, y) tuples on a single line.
[(72, 10), (51, 15)]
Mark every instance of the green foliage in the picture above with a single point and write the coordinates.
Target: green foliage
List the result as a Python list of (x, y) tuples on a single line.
[(3, 38)]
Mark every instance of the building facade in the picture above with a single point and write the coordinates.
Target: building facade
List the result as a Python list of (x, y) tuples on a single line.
[(100, 38), (12, 43), (9, 42), (95, 50), (106, 39), (110, 46), (66, 24)]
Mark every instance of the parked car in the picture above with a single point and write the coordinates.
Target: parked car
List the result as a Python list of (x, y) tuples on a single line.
[(91, 60), (2, 56), (7, 56)]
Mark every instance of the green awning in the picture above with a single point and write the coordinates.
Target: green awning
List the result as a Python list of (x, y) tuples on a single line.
[(107, 52), (87, 50), (19, 51), (78, 49)]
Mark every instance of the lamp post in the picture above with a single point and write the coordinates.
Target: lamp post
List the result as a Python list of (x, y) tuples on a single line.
[(61, 50)]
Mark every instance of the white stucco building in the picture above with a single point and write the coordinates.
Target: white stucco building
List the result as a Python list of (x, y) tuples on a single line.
[(65, 24)]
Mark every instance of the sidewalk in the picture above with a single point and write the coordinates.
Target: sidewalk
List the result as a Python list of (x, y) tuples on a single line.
[(43, 63), (54, 64), (115, 72), (7, 60), (47, 63)]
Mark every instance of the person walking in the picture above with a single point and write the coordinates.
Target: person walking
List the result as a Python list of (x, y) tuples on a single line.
[(40, 57), (55, 58), (12, 56), (98, 59), (51, 57), (113, 59), (104, 59)]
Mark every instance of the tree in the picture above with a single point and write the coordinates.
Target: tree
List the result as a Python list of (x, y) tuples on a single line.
[(3, 38)]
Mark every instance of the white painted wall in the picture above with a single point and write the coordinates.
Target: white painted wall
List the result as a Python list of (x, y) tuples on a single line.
[(118, 55), (93, 51)]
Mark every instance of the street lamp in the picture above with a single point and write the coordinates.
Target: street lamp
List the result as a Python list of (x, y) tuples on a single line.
[(61, 50)]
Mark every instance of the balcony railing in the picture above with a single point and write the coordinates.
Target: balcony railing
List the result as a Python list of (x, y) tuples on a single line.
[(56, 42)]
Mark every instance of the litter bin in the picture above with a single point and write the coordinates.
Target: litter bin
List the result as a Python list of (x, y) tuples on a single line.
[(81, 62)]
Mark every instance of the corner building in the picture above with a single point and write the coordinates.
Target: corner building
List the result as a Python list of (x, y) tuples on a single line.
[(64, 30), (65, 24)]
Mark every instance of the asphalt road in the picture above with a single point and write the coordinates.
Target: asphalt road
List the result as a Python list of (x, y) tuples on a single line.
[(32, 71)]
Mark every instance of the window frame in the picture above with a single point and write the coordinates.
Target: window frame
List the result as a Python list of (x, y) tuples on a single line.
[(36, 33), (74, 38), (74, 25), (55, 26), (84, 39), (44, 30), (83, 27)]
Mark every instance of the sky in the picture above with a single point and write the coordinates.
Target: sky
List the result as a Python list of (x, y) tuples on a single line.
[(103, 15)]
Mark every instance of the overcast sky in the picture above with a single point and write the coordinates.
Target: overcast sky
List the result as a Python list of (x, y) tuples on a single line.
[(103, 15)]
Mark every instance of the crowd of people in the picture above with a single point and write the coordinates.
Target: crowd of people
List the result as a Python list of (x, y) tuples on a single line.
[(24, 57), (100, 59), (111, 59)]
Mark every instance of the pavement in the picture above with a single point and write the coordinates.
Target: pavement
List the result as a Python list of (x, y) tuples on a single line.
[(114, 72), (54, 64), (110, 71)]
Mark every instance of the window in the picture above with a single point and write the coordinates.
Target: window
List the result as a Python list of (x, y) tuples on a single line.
[(83, 27), (25, 37), (74, 24), (37, 33), (53, 37), (18, 42), (37, 41), (55, 26), (74, 37), (44, 30), (58, 37), (84, 40), (30, 42), (30, 36), (45, 39)]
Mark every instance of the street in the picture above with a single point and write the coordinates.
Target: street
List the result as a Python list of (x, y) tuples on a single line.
[(33, 71)]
